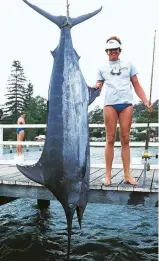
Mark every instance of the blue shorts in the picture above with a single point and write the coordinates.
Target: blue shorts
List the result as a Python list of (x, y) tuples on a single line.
[(120, 107), (18, 130)]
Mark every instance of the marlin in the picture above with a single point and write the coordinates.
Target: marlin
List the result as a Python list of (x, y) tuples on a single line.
[(64, 166)]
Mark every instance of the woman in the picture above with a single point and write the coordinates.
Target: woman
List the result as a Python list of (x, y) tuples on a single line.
[(119, 77), (20, 133)]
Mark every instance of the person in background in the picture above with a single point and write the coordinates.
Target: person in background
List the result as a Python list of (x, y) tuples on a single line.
[(20, 133), (118, 78), (1, 114)]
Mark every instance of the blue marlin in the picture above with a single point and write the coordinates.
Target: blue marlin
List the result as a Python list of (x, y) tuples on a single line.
[(64, 166)]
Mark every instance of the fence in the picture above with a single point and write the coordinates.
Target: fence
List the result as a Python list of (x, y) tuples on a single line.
[(94, 144)]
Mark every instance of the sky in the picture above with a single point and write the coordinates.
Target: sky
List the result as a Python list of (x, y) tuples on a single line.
[(29, 37)]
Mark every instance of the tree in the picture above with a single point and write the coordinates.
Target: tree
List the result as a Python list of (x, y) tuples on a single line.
[(138, 108), (28, 95), (1, 113), (16, 89), (20, 99), (141, 115), (96, 116), (36, 113), (144, 116)]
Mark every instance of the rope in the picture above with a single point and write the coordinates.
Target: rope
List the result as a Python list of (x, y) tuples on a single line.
[(67, 6), (67, 14)]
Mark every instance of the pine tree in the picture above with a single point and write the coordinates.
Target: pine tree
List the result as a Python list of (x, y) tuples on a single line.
[(28, 95), (16, 89), (1, 113)]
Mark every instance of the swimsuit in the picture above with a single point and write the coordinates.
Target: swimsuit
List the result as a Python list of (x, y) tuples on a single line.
[(18, 130), (120, 107)]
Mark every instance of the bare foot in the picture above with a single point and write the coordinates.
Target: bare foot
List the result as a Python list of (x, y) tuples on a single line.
[(130, 180), (106, 181)]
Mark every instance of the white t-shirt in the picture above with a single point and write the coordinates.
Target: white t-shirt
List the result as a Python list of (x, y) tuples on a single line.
[(116, 76)]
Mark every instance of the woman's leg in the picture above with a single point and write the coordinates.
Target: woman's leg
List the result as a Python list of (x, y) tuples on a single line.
[(21, 138), (125, 120), (17, 145), (110, 119)]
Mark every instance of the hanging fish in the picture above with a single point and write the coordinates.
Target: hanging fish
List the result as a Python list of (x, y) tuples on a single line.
[(64, 166)]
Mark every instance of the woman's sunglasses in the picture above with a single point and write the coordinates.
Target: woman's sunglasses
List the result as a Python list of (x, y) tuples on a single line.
[(113, 73), (115, 49)]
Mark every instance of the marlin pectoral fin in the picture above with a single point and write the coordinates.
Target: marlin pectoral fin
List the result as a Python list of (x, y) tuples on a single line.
[(93, 94), (32, 172)]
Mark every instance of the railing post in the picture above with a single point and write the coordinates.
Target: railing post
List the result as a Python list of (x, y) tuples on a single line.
[(1, 140)]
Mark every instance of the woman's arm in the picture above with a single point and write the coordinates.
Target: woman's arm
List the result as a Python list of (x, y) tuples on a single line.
[(140, 92)]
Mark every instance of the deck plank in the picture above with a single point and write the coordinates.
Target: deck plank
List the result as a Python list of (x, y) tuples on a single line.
[(117, 178), (96, 183), (97, 174), (148, 182), (8, 172), (14, 176), (15, 184), (22, 178), (135, 174), (92, 170)]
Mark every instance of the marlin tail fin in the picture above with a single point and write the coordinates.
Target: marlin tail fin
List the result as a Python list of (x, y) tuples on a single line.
[(58, 20)]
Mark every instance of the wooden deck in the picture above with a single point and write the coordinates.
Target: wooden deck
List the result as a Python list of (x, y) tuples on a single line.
[(14, 184)]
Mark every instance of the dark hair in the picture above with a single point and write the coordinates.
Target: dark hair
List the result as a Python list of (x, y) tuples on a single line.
[(23, 113), (114, 38)]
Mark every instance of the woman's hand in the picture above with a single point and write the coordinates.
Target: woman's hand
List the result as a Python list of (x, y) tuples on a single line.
[(98, 85), (148, 106)]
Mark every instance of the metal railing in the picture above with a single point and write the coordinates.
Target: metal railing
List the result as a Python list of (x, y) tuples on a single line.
[(93, 144)]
